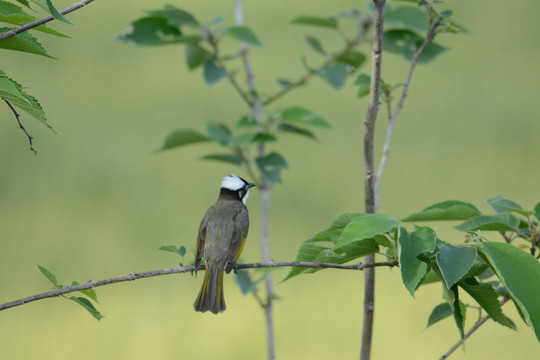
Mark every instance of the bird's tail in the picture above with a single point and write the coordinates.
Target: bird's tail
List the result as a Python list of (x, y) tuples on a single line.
[(211, 294)]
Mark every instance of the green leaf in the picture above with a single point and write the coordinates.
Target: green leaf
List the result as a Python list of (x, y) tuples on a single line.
[(410, 247), (441, 311), (446, 210), (169, 248), (219, 133), (499, 222), (407, 17), (335, 75), (333, 232), (182, 250), (212, 73), (13, 92), (289, 128), (520, 274), (455, 262), (363, 82), (303, 116), (91, 293), (13, 14), (352, 58), (244, 34), (56, 14), (367, 226), (155, 31), (195, 56), (315, 21), (245, 283), (315, 44), (227, 158), (181, 138), (270, 167), (358, 248), (460, 311), (247, 122), (24, 42), (285, 84), (243, 139), (487, 298), (383, 241), (49, 275), (264, 138), (175, 16), (307, 252), (87, 305), (406, 43), (537, 211), (24, 2), (502, 205)]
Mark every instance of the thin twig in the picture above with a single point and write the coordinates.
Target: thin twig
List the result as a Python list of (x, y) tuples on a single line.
[(475, 327), (392, 120), (184, 269), (17, 116), (43, 20), (265, 190), (370, 198)]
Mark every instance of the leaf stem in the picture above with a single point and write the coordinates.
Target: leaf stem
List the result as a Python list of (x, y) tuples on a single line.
[(17, 116)]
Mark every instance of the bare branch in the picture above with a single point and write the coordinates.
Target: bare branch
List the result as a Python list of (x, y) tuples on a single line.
[(471, 331), (184, 269), (392, 120), (370, 195), (17, 116), (43, 20)]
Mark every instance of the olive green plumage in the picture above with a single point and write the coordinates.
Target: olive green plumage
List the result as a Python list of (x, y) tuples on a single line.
[(221, 238)]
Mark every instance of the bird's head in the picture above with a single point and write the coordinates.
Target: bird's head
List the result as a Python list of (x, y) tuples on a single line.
[(237, 185)]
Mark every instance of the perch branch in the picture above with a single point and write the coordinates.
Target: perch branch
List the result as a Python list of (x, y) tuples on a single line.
[(17, 116), (43, 20), (183, 269)]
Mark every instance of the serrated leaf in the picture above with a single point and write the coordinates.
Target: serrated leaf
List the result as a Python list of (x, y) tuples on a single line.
[(24, 42), (307, 252), (292, 129), (335, 75), (219, 133), (407, 17), (182, 137), (195, 56), (212, 73), (352, 58), (49, 275), (406, 43), (460, 311), (367, 226), (87, 305), (244, 34), (227, 158), (270, 167), (519, 272), (446, 210), (315, 44), (441, 311), (455, 262), (499, 222), (169, 248), (502, 205), (304, 116), (487, 298), (411, 245), (13, 14), (315, 21)]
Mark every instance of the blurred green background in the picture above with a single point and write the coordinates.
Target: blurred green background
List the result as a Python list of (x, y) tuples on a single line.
[(95, 203)]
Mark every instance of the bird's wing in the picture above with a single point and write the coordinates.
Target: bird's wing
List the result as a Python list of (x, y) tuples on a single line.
[(239, 234), (199, 247)]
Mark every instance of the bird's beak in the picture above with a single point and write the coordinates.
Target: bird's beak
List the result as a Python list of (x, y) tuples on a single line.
[(250, 185)]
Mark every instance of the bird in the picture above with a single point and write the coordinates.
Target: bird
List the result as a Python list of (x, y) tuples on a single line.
[(221, 238)]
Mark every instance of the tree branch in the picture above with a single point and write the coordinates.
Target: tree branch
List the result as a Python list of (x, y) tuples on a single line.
[(17, 116), (256, 109), (392, 120), (184, 269), (370, 195), (471, 331), (43, 20)]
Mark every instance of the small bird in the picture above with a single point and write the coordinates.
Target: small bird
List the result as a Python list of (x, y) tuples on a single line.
[(222, 235)]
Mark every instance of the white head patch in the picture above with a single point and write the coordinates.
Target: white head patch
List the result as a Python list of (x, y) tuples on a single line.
[(232, 182)]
